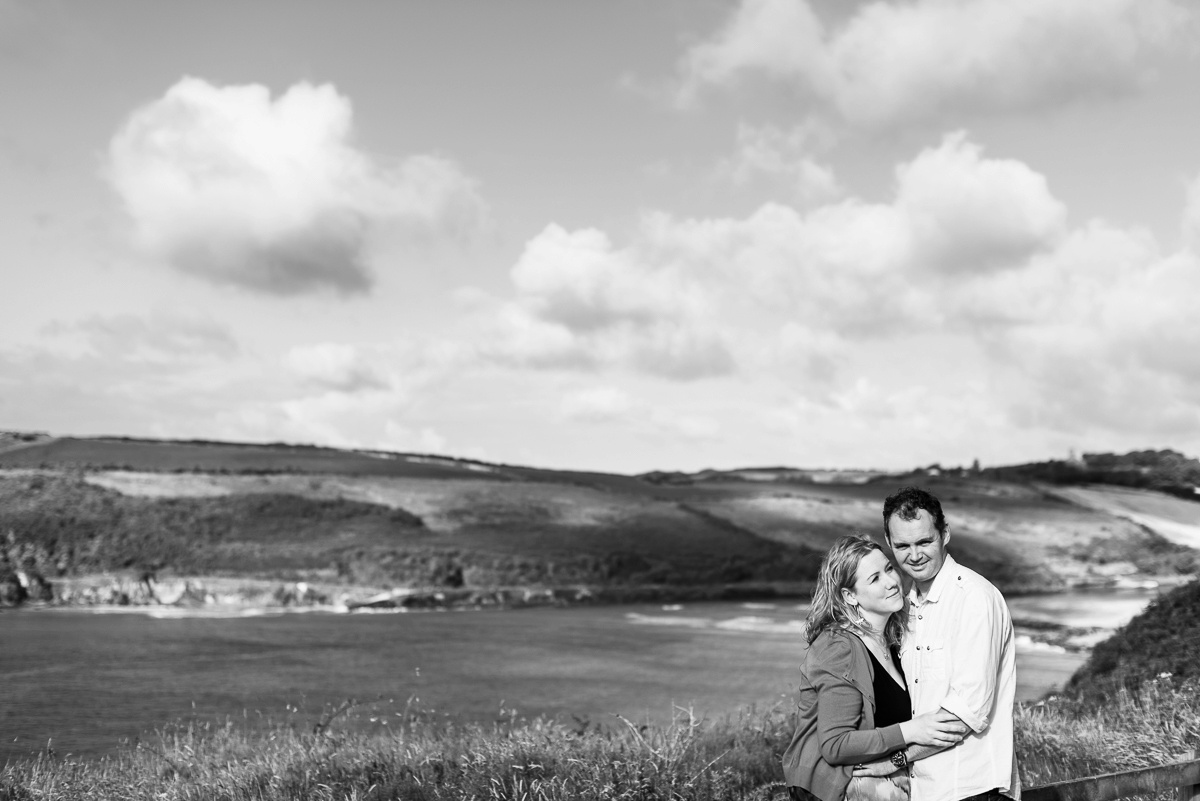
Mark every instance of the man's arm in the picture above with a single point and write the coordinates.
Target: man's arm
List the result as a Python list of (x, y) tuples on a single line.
[(973, 651), (912, 753)]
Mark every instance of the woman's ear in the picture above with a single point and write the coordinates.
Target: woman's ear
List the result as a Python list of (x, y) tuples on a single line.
[(849, 598)]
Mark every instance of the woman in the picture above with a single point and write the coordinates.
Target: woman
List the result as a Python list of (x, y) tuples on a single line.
[(854, 705)]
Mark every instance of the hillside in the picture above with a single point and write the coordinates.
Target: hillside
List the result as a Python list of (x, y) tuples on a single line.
[(1161, 643), (1166, 471), (74, 506)]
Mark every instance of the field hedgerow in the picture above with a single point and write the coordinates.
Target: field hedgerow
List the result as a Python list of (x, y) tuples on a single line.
[(419, 756)]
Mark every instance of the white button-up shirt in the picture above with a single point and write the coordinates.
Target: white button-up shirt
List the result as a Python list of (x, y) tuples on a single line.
[(959, 654)]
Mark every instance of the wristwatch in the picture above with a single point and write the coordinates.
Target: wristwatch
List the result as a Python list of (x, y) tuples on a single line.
[(900, 759)]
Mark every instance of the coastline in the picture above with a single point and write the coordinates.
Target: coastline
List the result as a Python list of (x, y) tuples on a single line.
[(232, 597), (120, 591)]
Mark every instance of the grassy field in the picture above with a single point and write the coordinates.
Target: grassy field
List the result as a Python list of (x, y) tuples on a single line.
[(410, 754)]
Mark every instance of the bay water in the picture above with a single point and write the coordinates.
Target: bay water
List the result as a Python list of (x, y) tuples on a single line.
[(84, 681)]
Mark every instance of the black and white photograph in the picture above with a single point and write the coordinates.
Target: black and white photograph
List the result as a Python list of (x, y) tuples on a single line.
[(645, 400)]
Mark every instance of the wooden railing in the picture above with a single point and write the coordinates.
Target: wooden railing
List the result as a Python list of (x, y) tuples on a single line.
[(1183, 775)]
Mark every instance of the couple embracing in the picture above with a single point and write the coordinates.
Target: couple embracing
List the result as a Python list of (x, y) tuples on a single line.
[(905, 696)]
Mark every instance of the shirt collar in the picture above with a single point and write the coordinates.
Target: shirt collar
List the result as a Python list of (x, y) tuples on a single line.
[(949, 566)]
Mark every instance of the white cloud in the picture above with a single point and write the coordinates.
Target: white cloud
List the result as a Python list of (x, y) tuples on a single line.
[(154, 339), (581, 303), (578, 279), (337, 366), (596, 404), (1111, 341), (781, 38), (121, 373), (611, 405), (335, 419), (691, 298), (968, 213), (892, 61), (269, 194), (397, 437), (785, 156), (971, 276)]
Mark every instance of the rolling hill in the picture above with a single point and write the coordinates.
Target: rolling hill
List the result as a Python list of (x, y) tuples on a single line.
[(73, 506)]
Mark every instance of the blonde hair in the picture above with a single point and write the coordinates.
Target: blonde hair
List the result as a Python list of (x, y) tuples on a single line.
[(839, 571)]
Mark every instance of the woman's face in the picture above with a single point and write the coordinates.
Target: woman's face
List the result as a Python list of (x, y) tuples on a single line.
[(876, 585)]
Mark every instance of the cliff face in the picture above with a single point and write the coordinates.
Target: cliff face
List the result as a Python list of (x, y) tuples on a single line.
[(20, 586)]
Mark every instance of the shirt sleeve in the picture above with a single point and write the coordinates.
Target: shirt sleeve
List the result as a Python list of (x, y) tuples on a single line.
[(839, 714), (975, 644)]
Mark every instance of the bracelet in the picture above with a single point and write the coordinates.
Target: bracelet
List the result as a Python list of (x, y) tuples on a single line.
[(900, 759)]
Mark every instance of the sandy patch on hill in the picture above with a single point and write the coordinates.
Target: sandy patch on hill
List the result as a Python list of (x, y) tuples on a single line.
[(160, 485), (1174, 519), (444, 504)]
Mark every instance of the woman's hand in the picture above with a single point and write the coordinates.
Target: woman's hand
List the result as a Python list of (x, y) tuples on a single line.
[(939, 729), (878, 769)]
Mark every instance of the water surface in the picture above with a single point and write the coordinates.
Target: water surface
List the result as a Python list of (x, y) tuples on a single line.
[(86, 681)]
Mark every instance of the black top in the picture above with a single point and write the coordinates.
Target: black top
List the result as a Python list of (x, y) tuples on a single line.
[(892, 702)]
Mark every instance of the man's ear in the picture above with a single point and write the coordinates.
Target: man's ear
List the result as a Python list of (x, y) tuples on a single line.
[(946, 536)]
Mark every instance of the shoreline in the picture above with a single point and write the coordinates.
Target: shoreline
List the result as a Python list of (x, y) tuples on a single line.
[(130, 590), (230, 597), (115, 591)]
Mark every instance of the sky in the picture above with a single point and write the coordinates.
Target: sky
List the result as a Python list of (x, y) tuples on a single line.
[(623, 235)]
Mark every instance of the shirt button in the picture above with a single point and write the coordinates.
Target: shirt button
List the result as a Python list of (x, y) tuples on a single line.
[(916, 681), (918, 648), (920, 617)]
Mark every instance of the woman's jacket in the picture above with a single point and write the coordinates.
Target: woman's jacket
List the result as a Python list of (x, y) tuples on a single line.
[(835, 727)]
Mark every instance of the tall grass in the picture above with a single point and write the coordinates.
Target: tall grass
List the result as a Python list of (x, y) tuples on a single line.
[(411, 754), (1062, 738)]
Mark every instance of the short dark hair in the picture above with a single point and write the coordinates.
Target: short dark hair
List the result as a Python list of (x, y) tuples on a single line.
[(908, 502)]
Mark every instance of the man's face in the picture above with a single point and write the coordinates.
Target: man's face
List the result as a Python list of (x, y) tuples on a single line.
[(917, 546)]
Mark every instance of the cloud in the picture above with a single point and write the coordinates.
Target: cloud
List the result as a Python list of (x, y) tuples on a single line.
[(338, 367), (780, 38), (121, 373), (160, 340), (697, 298), (363, 420), (578, 279), (596, 404), (238, 188), (786, 156), (582, 303), (611, 405), (891, 62), (966, 212), (401, 438), (1105, 333), (967, 293), (862, 269)]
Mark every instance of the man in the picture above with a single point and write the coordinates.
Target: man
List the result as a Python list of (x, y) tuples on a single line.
[(957, 654)]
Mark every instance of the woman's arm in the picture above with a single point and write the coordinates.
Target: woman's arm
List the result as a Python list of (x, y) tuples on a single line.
[(840, 709), (886, 767)]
